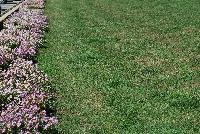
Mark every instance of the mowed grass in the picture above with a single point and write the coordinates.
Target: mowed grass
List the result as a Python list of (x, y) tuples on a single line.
[(124, 66)]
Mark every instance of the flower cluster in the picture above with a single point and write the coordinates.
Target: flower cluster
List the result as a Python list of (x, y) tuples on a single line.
[(22, 76), (39, 4), (23, 42), (27, 19), (24, 100), (6, 55), (27, 113)]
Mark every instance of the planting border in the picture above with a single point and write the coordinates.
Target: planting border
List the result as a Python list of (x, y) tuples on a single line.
[(26, 101)]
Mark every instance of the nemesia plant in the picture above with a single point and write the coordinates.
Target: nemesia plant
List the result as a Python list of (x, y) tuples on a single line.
[(24, 42), (22, 76), (27, 115), (27, 19), (33, 4), (6, 55), (9, 38), (23, 99)]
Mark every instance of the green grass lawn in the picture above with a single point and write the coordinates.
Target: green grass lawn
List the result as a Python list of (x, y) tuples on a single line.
[(124, 66)]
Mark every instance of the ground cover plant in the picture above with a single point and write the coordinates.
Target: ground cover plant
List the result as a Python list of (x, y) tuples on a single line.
[(24, 89), (125, 66)]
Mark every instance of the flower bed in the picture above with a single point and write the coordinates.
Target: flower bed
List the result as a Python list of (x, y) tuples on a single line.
[(24, 98)]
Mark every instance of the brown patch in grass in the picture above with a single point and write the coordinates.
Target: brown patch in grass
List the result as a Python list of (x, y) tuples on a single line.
[(170, 38), (149, 61), (94, 100), (195, 68)]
